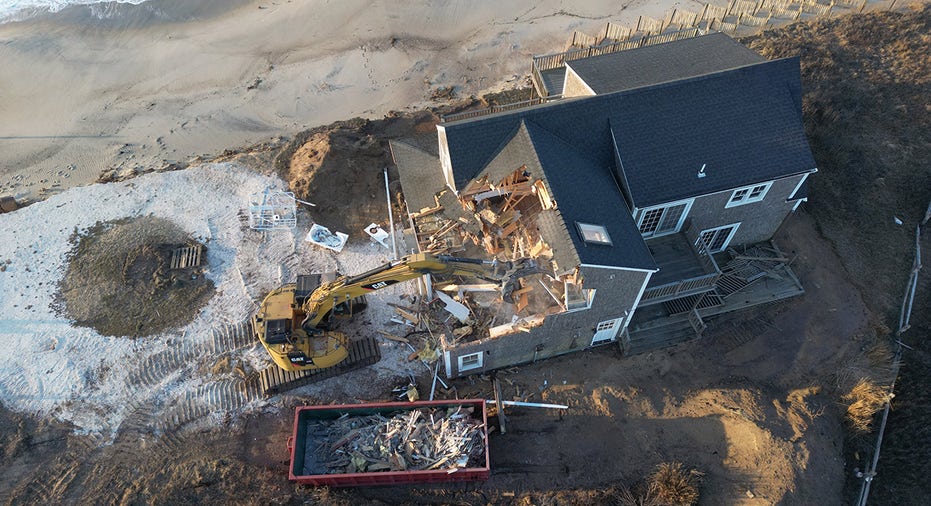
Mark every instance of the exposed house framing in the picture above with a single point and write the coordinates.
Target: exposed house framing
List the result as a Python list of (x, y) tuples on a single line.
[(641, 200)]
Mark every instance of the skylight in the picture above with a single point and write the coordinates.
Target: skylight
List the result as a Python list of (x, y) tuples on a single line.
[(595, 234)]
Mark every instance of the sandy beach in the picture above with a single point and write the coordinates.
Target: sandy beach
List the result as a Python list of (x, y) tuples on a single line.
[(103, 403), (134, 87)]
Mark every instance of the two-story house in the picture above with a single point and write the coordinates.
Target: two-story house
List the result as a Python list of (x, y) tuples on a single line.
[(631, 189)]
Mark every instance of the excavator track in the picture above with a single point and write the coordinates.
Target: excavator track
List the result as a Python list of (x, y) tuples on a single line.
[(362, 352)]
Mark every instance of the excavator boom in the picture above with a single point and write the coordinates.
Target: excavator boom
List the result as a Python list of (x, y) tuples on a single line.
[(292, 322)]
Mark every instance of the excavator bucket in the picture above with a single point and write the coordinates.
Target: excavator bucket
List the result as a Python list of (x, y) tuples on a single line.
[(521, 268)]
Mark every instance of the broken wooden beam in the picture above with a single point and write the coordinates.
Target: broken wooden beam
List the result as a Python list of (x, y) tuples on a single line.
[(393, 337), (426, 212), (407, 315)]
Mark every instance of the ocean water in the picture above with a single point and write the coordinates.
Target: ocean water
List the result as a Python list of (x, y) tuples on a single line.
[(17, 10), (116, 14)]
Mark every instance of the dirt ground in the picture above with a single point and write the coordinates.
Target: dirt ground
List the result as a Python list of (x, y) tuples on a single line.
[(751, 408), (120, 282), (753, 405)]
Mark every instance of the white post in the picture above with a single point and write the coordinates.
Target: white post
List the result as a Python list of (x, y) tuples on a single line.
[(394, 245)]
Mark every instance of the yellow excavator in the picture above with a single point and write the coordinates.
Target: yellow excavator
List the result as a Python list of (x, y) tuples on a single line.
[(293, 321)]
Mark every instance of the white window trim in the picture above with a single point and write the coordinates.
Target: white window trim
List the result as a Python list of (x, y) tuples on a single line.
[(730, 236), (616, 324), (478, 365), (798, 187), (597, 229), (685, 213), (590, 301), (746, 199)]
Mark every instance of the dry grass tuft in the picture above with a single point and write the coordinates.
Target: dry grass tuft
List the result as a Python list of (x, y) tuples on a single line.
[(864, 400), (671, 484)]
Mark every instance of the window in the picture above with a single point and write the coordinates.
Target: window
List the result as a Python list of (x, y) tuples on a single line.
[(748, 194), (596, 234), (470, 361), (608, 325), (717, 239), (663, 220), (606, 331), (578, 298)]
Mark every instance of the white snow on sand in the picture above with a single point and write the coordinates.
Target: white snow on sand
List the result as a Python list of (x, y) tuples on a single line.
[(49, 367)]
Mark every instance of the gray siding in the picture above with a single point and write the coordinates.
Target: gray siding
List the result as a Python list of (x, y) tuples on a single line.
[(758, 220), (616, 292)]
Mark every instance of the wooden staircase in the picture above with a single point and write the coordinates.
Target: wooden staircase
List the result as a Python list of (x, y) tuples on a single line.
[(701, 301)]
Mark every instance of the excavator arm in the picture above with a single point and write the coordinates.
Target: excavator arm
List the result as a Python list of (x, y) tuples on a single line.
[(293, 320), (320, 304)]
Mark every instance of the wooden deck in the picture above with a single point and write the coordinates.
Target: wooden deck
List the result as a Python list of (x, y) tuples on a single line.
[(676, 259), (682, 271), (654, 327)]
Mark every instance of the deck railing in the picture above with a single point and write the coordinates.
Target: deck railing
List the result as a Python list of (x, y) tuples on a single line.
[(496, 108), (681, 288), (688, 286), (698, 324), (704, 256)]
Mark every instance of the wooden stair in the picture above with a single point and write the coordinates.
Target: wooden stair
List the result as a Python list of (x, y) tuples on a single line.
[(685, 304), (729, 283)]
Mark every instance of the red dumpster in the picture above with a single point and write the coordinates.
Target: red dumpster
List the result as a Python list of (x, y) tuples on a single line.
[(305, 466)]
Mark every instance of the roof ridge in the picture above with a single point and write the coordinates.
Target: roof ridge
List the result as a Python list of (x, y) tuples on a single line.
[(697, 78)]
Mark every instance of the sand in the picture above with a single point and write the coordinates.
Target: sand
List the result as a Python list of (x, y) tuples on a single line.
[(82, 95), (133, 88), (51, 367)]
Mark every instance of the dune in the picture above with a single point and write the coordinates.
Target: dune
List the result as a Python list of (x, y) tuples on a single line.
[(89, 89)]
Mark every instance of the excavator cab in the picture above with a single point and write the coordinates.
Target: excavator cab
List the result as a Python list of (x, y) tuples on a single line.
[(278, 331)]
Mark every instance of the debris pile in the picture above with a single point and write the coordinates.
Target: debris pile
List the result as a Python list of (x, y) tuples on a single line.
[(502, 218), (417, 440), (497, 216), (505, 211)]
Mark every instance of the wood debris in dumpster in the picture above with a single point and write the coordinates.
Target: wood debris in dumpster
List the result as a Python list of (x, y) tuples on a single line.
[(409, 440)]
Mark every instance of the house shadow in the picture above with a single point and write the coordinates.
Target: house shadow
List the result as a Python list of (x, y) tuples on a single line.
[(592, 452)]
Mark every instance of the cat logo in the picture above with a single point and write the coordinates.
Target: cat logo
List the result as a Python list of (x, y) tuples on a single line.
[(379, 284)]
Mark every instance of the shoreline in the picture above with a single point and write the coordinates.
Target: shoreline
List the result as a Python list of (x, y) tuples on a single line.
[(85, 98)]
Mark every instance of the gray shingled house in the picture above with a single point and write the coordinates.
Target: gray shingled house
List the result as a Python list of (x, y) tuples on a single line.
[(651, 189)]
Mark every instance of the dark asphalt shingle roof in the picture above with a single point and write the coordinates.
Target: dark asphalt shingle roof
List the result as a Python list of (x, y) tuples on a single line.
[(743, 124), (575, 182), (586, 192), (661, 63), (421, 178)]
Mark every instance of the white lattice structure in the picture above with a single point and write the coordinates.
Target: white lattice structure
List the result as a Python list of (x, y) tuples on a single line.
[(272, 209)]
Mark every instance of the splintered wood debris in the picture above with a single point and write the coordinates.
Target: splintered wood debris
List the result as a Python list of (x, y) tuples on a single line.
[(497, 216), (498, 219), (416, 440)]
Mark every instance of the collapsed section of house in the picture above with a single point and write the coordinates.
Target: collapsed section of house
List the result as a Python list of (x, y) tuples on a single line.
[(639, 198), (501, 219), (510, 218)]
